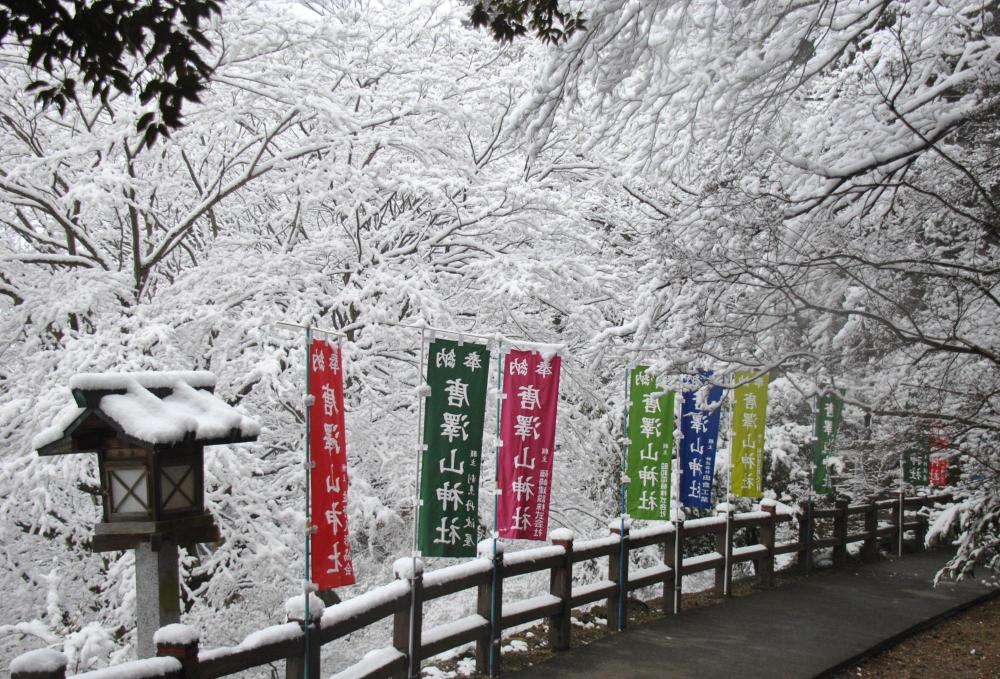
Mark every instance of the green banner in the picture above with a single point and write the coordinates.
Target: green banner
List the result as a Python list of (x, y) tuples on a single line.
[(650, 447), (749, 417), (453, 434), (917, 466), (829, 412)]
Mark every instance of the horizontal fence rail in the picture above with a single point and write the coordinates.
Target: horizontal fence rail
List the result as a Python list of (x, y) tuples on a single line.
[(833, 527)]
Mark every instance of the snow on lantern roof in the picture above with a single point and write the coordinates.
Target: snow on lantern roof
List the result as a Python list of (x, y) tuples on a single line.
[(151, 408), (199, 379), (66, 418)]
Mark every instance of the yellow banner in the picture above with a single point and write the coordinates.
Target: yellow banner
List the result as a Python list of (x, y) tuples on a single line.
[(749, 416)]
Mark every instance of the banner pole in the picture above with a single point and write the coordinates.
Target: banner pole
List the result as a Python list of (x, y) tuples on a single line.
[(625, 480), (812, 474), (675, 499), (902, 514), (495, 639), (729, 493), (416, 501), (307, 583)]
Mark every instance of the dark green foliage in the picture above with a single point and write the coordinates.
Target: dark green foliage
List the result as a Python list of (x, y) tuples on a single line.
[(507, 20), (101, 37)]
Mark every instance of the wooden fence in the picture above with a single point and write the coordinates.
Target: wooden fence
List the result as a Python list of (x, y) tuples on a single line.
[(741, 538)]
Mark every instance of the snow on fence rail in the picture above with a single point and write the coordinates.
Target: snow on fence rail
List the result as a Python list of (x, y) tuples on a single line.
[(836, 527)]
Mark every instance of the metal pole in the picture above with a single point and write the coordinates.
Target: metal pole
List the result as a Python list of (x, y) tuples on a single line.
[(308, 328), (307, 583), (675, 499), (809, 503), (729, 492), (430, 328), (416, 500), (902, 514), (622, 591), (496, 509)]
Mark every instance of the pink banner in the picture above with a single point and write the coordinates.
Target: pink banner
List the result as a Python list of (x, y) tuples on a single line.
[(331, 550), (528, 436)]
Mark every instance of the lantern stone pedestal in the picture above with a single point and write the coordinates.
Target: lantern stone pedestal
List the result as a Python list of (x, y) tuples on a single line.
[(157, 593)]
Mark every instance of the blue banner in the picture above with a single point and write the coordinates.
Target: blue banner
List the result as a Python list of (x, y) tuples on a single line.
[(700, 413)]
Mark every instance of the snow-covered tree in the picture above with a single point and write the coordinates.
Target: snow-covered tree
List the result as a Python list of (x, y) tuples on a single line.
[(348, 168), (802, 187), (825, 183)]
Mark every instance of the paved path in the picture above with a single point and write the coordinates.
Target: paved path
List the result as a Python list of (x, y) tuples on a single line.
[(803, 629)]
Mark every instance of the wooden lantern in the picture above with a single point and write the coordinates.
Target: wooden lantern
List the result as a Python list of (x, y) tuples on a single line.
[(149, 431)]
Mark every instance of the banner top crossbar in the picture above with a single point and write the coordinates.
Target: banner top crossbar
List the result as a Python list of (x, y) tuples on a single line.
[(299, 326), (516, 343), (497, 337)]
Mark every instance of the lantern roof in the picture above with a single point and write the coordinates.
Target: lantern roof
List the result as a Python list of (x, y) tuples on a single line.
[(152, 409)]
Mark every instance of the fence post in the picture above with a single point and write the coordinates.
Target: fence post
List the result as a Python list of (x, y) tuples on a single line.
[(898, 517), (618, 573), (294, 665), (671, 578), (869, 551), (675, 559), (767, 532), (561, 585), (840, 533), (402, 631), (805, 537), (724, 546), (489, 605), (42, 663), (181, 642)]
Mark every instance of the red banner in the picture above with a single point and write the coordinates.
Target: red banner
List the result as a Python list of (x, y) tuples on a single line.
[(939, 471), (331, 550), (527, 435)]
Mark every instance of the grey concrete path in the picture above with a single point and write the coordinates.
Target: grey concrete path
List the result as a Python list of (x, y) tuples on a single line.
[(802, 629)]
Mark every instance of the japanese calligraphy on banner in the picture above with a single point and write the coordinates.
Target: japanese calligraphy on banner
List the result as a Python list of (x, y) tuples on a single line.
[(528, 436), (939, 471), (650, 447), (453, 435), (330, 549), (749, 416), (700, 411), (916, 466), (829, 411)]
